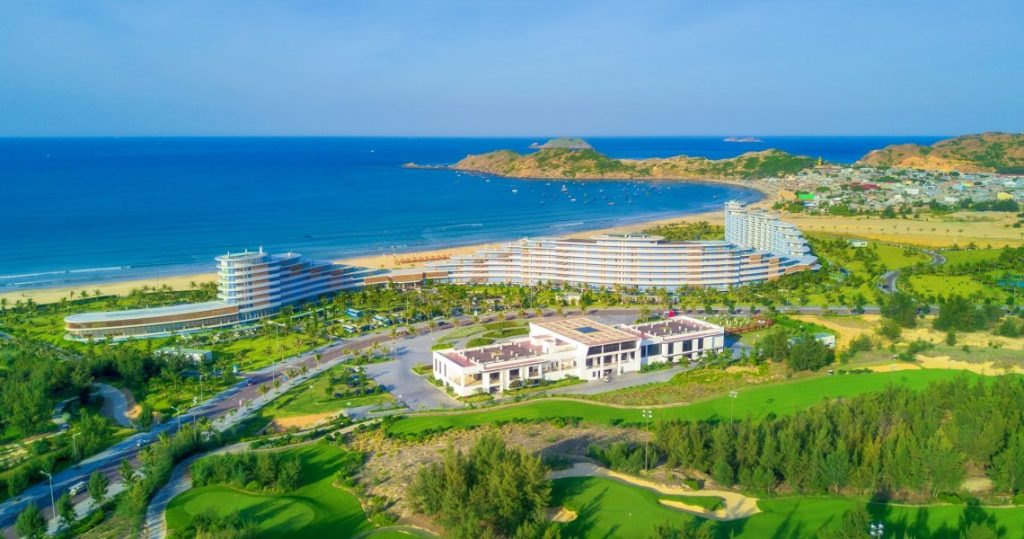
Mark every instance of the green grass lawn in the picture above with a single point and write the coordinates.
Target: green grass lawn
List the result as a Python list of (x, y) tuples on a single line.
[(253, 353), (316, 509), (756, 401), (894, 256), (608, 508), (945, 285), (972, 256), (302, 400)]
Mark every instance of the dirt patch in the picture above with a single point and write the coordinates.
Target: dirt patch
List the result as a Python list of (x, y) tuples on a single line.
[(893, 367), (391, 464), (977, 484), (979, 339), (987, 368), (300, 422), (561, 514)]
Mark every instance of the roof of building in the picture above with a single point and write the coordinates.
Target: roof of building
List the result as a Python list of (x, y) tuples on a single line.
[(131, 314), (584, 330), (678, 325)]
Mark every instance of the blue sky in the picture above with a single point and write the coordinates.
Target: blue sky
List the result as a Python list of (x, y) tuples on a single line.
[(496, 67)]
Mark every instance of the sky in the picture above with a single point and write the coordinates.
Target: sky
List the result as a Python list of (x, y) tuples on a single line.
[(510, 68)]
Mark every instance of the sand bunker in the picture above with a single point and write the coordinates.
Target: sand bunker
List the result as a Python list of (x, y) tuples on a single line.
[(561, 514)]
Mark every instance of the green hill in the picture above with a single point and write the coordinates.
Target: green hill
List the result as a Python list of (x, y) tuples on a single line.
[(987, 152)]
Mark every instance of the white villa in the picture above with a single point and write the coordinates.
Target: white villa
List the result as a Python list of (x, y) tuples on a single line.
[(578, 347)]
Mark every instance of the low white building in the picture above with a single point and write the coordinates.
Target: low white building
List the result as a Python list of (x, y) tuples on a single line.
[(578, 347)]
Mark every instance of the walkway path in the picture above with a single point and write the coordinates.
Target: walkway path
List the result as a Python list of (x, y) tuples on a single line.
[(735, 505)]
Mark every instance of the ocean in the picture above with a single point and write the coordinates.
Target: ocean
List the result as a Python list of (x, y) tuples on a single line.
[(90, 210)]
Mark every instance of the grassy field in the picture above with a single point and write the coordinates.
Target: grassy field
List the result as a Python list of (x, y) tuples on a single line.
[(253, 353), (316, 509), (755, 401), (963, 285), (971, 256), (609, 508), (988, 228), (312, 398)]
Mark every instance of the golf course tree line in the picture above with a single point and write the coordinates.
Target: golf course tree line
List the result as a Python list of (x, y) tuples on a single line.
[(493, 491), (912, 445), (987, 270), (262, 471)]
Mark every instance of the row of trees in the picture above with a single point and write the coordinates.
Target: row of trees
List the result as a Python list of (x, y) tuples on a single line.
[(258, 472), (898, 441)]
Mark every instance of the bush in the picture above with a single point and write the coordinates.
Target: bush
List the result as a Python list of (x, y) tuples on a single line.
[(619, 456)]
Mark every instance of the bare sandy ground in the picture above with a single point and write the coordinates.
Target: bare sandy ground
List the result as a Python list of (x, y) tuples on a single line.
[(988, 228), (300, 422)]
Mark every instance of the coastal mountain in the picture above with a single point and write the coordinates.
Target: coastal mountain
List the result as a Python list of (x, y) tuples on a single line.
[(986, 152), (561, 162)]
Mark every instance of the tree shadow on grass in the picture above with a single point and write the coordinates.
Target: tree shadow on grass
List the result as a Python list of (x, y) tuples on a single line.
[(586, 515)]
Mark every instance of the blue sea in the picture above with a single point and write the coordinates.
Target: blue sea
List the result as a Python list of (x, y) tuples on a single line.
[(88, 210)]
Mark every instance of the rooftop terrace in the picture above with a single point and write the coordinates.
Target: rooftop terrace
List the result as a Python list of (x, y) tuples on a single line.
[(585, 331)]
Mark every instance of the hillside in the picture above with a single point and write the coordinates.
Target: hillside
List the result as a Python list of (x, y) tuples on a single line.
[(987, 152), (587, 163)]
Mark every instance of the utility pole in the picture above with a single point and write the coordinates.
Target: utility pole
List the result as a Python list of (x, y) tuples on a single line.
[(648, 415), (53, 505)]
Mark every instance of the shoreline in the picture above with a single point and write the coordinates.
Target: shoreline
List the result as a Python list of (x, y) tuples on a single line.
[(404, 260)]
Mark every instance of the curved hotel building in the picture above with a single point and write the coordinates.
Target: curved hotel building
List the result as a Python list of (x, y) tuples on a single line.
[(252, 285), (757, 247)]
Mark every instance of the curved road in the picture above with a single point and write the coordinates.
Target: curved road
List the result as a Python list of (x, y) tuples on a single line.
[(889, 278)]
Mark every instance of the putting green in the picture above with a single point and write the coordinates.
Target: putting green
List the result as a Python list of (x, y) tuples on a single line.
[(316, 509), (756, 401)]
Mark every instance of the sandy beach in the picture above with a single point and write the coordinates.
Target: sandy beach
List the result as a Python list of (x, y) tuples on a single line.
[(387, 261)]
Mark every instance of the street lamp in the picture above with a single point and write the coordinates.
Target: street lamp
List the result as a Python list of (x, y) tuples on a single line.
[(733, 395), (876, 529), (647, 415), (53, 505), (177, 412), (74, 445)]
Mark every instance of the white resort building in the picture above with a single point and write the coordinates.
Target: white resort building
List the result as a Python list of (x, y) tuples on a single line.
[(578, 347), (251, 285), (757, 247)]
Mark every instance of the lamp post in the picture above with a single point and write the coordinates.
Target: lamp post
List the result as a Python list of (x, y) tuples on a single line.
[(177, 412), (733, 395), (876, 530), (53, 505), (74, 444), (647, 415)]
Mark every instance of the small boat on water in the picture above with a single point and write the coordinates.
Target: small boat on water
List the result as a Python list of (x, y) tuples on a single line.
[(514, 191)]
